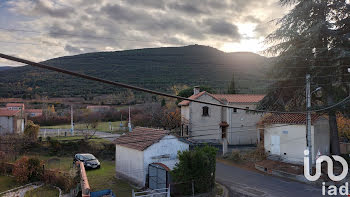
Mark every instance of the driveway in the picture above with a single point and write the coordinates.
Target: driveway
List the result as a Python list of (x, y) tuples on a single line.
[(242, 182)]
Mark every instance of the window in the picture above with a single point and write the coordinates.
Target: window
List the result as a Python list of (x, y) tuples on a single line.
[(234, 110), (205, 111)]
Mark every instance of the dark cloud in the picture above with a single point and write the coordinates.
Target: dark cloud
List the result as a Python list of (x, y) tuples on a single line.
[(187, 7), (222, 28), (42, 8), (71, 49)]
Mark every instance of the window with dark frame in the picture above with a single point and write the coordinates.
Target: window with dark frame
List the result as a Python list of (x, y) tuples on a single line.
[(205, 111)]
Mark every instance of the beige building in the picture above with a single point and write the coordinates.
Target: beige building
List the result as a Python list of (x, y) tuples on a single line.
[(205, 123), (285, 136), (11, 122)]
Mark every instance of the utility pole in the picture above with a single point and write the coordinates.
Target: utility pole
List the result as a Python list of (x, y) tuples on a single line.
[(308, 120), (71, 120)]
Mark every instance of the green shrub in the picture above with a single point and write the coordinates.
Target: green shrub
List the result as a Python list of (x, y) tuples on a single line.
[(197, 165)]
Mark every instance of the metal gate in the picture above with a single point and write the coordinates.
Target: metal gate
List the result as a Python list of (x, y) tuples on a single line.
[(157, 176)]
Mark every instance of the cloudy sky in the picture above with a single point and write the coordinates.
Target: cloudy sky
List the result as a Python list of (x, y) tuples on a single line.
[(43, 29)]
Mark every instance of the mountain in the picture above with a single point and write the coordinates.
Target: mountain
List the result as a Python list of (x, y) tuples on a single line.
[(2, 68), (154, 68)]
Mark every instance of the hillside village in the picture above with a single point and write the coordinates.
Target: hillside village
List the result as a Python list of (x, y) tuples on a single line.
[(174, 98)]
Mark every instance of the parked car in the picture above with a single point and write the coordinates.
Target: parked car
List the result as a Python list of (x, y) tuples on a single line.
[(89, 160)]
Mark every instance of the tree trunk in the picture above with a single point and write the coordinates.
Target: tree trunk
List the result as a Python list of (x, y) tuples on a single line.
[(335, 147)]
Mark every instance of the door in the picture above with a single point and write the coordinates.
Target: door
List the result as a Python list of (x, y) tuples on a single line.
[(275, 145), (157, 176)]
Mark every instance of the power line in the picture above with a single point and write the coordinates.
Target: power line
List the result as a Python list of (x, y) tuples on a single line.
[(40, 65)]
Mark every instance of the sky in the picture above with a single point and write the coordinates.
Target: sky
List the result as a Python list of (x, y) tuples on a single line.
[(45, 29)]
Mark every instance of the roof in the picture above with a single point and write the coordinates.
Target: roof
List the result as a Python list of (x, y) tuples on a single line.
[(289, 118), (34, 110), (240, 98), (196, 96), (7, 112), (141, 138), (15, 105)]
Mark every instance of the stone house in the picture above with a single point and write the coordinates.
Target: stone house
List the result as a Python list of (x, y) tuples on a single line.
[(205, 123)]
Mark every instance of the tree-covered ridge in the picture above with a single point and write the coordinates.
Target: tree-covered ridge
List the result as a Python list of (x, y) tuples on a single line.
[(155, 68)]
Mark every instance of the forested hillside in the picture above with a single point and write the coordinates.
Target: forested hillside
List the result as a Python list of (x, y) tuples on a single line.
[(155, 68)]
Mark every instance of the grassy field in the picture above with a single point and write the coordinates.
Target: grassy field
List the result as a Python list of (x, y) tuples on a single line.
[(73, 138), (99, 179), (102, 126), (7, 183), (44, 191), (103, 178)]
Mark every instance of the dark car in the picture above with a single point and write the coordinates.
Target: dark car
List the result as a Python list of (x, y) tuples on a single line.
[(89, 160)]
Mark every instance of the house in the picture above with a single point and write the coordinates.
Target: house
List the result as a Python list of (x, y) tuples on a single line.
[(147, 154), (206, 123), (98, 108), (34, 112), (285, 136), (11, 121), (15, 106)]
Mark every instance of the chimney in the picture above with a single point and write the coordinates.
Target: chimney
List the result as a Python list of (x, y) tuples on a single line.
[(196, 90)]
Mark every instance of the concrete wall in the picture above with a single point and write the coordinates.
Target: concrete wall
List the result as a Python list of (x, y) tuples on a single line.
[(6, 125), (204, 125), (185, 113), (129, 164), (243, 125), (293, 140), (322, 137)]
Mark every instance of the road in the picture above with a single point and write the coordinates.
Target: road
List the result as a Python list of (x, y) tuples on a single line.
[(241, 181)]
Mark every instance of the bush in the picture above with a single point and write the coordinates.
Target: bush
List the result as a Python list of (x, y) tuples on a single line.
[(27, 170), (65, 181), (235, 156), (31, 130), (197, 165)]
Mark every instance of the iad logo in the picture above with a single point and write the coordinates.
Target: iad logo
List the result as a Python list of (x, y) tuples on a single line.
[(331, 190), (329, 161)]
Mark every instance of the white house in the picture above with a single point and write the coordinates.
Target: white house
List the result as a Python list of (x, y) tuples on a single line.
[(147, 154), (11, 122), (285, 136), (205, 123)]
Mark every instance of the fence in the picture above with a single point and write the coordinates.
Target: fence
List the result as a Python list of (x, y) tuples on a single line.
[(165, 192), (345, 148)]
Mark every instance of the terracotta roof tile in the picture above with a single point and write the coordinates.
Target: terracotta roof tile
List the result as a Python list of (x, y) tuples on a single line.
[(240, 98), (289, 118), (196, 96), (141, 138), (34, 111), (14, 105), (6, 112)]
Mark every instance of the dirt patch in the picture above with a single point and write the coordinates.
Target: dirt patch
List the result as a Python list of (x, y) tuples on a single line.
[(281, 166)]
